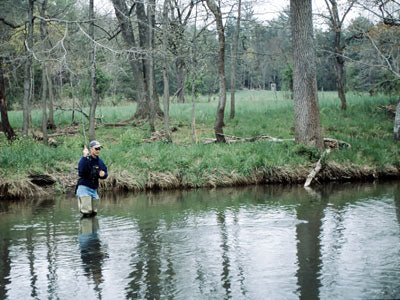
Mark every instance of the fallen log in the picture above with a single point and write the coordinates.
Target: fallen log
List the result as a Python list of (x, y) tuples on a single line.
[(328, 142)]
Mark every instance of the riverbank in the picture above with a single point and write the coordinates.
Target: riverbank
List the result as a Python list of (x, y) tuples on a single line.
[(33, 186), (138, 160)]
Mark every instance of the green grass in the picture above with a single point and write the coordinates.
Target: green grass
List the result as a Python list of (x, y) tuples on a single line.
[(368, 130)]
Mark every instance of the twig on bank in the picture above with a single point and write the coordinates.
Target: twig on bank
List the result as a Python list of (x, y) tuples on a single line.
[(317, 168)]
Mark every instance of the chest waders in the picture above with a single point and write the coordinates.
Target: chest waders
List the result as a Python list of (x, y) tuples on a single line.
[(88, 205)]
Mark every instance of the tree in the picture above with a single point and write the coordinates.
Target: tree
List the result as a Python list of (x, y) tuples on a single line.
[(306, 111), (396, 128), (28, 71), (123, 15), (178, 23), (165, 70), (219, 121), (146, 42), (43, 35), (93, 78), (380, 56), (7, 129), (336, 25), (234, 57), (150, 77)]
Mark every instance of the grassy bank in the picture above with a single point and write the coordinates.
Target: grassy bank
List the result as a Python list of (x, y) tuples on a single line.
[(136, 165)]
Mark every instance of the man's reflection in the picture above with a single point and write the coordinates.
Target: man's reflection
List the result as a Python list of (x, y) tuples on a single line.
[(91, 250)]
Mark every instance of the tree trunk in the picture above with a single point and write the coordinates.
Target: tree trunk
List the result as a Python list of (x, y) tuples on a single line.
[(150, 15), (43, 37), (122, 14), (44, 100), (336, 27), (5, 124), (234, 57), (165, 71), (194, 70), (193, 123), (180, 78), (339, 68), (50, 122), (396, 130), (28, 72), (46, 45), (93, 104), (219, 121), (73, 98), (143, 22), (306, 111), (340, 80)]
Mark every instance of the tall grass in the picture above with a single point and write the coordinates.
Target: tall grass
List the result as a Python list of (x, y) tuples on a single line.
[(368, 130)]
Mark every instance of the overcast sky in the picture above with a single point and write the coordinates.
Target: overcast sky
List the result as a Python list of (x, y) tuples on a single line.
[(263, 9)]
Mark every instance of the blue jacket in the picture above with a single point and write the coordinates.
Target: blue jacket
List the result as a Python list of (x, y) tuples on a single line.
[(88, 170)]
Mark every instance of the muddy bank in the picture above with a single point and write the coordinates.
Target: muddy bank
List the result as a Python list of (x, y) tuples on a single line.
[(47, 184)]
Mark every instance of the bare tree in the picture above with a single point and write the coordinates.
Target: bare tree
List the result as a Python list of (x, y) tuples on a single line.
[(306, 111), (28, 71), (43, 35), (336, 25), (194, 71), (46, 45), (234, 58), (178, 25), (150, 14), (123, 15), (219, 121), (93, 78), (165, 70)]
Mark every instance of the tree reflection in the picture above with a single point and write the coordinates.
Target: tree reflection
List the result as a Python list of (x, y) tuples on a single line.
[(225, 275), (311, 211), (92, 254), (397, 201), (146, 261), (5, 266)]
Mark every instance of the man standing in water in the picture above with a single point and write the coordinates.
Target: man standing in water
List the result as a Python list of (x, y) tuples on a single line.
[(90, 168)]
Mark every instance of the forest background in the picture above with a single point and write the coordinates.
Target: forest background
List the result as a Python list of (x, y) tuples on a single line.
[(69, 70)]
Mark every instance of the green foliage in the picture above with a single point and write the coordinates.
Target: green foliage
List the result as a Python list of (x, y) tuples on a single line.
[(199, 84), (287, 78), (309, 152)]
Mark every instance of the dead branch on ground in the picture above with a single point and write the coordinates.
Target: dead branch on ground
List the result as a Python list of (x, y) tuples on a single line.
[(317, 168)]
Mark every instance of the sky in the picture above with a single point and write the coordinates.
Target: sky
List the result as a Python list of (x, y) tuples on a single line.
[(264, 9)]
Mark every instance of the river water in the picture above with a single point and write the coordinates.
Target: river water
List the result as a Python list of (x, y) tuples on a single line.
[(260, 242)]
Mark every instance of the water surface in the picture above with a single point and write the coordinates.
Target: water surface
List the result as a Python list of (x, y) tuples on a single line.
[(260, 242)]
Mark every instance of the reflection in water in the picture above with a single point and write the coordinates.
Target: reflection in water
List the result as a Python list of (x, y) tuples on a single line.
[(397, 201), (145, 262), (5, 266), (311, 211), (225, 276), (336, 242), (92, 254)]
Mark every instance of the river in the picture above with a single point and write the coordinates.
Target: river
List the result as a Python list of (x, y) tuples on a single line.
[(337, 241)]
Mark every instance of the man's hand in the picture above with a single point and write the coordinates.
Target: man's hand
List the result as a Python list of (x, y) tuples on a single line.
[(85, 152), (102, 173)]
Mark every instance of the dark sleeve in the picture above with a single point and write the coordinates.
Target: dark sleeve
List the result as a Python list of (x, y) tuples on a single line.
[(104, 168), (84, 167)]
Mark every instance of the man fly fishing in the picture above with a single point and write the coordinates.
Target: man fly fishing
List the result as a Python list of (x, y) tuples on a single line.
[(90, 168)]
